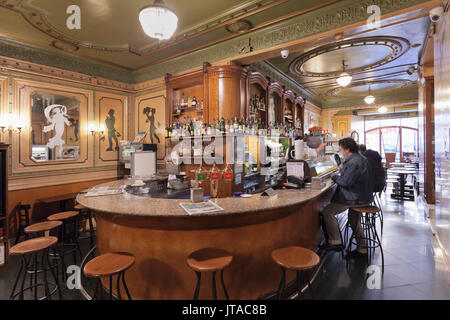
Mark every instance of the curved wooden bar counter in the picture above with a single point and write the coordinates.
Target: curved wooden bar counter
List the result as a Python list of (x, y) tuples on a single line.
[(160, 234)]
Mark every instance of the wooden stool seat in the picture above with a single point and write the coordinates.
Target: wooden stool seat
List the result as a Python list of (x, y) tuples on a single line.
[(80, 207), (295, 258), (108, 264), (33, 245), (368, 209), (63, 215), (42, 226), (209, 259)]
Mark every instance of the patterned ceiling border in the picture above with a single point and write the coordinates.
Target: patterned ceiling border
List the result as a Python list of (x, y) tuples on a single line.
[(40, 21), (402, 82), (398, 46), (334, 16)]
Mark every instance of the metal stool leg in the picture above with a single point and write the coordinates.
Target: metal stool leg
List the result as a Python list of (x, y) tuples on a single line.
[(282, 283), (22, 266), (56, 278), (214, 285), (223, 285), (125, 286), (299, 284), (91, 229), (197, 287), (118, 286), (310, 289)]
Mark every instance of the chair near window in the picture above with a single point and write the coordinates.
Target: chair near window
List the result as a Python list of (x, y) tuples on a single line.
[(390, 157)]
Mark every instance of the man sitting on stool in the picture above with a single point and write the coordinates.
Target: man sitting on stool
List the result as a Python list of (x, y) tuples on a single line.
[(354, 190)]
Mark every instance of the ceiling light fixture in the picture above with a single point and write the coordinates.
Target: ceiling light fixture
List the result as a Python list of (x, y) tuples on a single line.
[(344, 78), (158, 21), (370, 98), (382, 109)]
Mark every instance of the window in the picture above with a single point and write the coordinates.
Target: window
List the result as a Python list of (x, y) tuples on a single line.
[(393, 136)]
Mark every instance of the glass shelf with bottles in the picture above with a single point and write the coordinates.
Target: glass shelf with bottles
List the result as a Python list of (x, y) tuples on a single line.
[(189, 127), (186, 104)]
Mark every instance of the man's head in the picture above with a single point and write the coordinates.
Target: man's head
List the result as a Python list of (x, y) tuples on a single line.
[(347, 147), (362, 148)]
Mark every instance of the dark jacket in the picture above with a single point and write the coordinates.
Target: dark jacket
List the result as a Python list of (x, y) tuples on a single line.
[(354, 184), (378, 176)]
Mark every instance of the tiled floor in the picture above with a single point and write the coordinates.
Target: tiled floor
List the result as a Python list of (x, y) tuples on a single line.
[(413, 269)]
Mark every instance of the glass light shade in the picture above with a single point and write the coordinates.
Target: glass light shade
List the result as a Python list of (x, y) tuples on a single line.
[(101, 128), (158, 21), (344, 79), (92, 127), (369, 99), (382, 109)]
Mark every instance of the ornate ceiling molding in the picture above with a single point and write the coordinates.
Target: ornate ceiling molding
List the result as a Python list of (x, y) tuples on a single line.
[(40, 21), (397, 47), (397, 84), (328, 18)]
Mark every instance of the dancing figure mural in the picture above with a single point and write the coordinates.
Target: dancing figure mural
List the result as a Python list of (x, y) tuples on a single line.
[(150, 113), (56, 115), (113, 134)]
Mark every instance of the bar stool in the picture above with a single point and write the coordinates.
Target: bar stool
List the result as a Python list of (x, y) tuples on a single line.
[(33, 247), (71, 240), (86, 214), (108, 265), (368, 216), (298, 259), (209, 260)]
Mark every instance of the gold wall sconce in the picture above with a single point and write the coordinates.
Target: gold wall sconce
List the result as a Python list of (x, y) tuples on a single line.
[(94, 129)]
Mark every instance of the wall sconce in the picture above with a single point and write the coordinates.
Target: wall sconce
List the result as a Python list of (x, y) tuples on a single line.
[(11, 124), (97, 130)]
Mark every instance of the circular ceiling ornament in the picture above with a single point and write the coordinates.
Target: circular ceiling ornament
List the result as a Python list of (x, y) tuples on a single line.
[(316, 62), (64, 46), (239, 26), (358, 89)]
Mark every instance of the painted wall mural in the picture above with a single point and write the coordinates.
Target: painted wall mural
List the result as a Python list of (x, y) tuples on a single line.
[(151, 117), (54, 127), (112, 120)]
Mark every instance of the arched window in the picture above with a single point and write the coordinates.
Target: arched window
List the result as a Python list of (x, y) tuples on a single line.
[(400, 139)]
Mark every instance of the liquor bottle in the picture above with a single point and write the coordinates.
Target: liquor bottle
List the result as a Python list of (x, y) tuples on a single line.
[(215, 177), (222, 125), (203, 129), (183, 101), (235, 125), (208, 130), (227, 126), (166, 132)]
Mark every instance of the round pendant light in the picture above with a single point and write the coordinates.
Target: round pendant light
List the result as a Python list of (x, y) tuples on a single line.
[(370, 98), (382, 109), (158, 21), (344, 78)]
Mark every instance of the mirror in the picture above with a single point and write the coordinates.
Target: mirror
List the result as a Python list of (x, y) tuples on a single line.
[(55, 127), (271, 108)]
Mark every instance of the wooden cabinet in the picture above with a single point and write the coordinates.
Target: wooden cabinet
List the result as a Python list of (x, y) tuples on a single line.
[(3, 200), (227, 92), (275, 103), (299, 112), (182, 90), (257, 102), (288, 107)]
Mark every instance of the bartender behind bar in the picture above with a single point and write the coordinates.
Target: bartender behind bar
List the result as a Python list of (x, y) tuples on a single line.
[(354, 190)]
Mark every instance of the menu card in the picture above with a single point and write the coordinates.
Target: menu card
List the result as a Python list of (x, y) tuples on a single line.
[(200, 207), (104, 191)]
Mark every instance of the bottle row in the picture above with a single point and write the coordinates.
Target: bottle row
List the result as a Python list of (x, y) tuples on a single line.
[(196, 127)]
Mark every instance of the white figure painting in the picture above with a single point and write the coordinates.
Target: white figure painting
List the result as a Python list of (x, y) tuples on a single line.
[(56, 115)]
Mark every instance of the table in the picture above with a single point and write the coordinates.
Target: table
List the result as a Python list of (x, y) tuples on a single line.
[(60, 198), (402, 174)]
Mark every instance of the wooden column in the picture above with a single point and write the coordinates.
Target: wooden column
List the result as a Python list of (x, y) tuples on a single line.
[(227, 92)]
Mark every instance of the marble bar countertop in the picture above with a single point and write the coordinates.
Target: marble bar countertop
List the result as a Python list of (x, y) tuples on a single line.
[(130, 205)]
